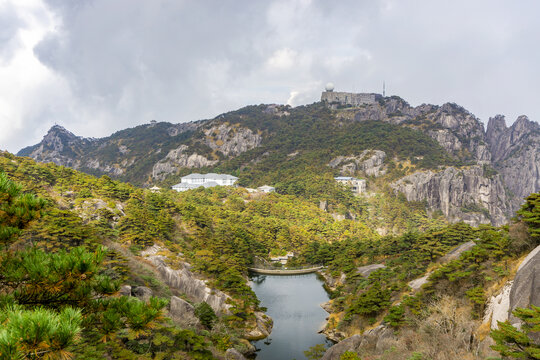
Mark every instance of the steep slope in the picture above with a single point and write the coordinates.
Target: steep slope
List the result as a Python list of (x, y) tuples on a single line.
[(516, 155)]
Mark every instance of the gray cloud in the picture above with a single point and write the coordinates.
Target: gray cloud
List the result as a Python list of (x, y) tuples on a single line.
[(116, 64), (9, 41)]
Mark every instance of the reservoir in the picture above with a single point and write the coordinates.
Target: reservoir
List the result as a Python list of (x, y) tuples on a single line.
[(293, 302)]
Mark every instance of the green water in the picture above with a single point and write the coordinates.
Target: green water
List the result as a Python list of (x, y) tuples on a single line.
[(293, 302)]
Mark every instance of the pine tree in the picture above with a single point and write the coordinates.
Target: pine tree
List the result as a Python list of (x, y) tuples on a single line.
[(530, 214), (516, 343), (16, 209)]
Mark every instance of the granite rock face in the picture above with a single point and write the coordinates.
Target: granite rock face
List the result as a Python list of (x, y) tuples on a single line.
[(516, 155), (142, 292), (460, 132), (369, 162), (465, 194), (457, 130), (231, 140), (526, 286), (233, 354), (182, 312), (186, 282), (263, 327), (178, 158), (371, 339), (368, 269), (521, 292)]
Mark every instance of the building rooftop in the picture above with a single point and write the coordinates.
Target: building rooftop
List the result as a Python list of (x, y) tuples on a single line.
[(210, 176)]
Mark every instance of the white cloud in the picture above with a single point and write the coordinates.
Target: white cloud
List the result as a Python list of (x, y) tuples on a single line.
[(100, 66)]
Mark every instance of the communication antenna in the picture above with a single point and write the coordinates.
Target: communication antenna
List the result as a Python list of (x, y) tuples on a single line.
[(383, 88)]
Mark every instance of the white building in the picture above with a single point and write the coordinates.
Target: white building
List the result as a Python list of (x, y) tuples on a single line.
[(194, 181), (282, 259), (357, 186)]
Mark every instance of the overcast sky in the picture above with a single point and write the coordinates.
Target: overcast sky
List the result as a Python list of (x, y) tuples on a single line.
[(98, 66)]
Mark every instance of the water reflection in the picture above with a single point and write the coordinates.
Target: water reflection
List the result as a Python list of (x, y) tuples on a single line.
[(293, 302)]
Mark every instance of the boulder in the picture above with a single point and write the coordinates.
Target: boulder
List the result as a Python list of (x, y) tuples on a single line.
[(372, 339), (349, 344), (233, 354), (182, 312), (142, 292), (368, 269), (526, 287), (263, 327), (125, 290)]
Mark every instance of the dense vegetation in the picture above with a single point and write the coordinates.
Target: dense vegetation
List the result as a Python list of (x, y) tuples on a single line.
[(70, 240)]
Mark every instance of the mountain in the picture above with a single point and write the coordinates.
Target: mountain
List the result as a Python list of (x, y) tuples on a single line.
[(99, 249), (439, 155)]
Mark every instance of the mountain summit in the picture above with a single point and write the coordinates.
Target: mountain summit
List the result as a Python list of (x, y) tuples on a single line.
[(437, 154)]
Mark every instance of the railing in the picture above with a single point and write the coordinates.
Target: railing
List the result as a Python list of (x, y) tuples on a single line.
[(275, 271)]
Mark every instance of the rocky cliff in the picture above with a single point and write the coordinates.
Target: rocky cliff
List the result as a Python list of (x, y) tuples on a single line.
[(467, 194), (58, 146), (516, 155)]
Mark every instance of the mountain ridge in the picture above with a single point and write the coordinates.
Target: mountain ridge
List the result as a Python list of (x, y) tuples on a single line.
[(271, 143)]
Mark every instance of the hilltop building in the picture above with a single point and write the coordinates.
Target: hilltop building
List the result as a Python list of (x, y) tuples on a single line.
[(194, 181), (357, 186), (334, 98)]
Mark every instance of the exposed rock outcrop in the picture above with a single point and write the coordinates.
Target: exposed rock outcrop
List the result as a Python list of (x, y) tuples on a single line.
[(182, 312), (58, 146), (370, 162), (460, 133), (233, 354), (263, 327), (456, 252), (142, 292), (113, 155), (179, 158), (497, 307), (522, 292), (371, 339), (231, 140), (526, 286), (516, 155), (465, 194), (185, 282), (368, 269), (457, 130), (125, 290)]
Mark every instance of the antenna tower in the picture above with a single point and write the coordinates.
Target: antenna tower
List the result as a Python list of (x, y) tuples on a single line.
[(383, 88)]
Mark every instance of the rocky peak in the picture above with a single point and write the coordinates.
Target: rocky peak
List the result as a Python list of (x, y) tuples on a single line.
[(522, 127), (57, 137), (59, 146), (516, 155), (496, 126)]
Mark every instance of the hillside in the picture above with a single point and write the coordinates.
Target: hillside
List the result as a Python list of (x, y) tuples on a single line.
[(437, 155), (126, 244)]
